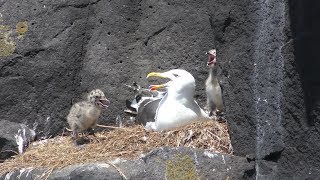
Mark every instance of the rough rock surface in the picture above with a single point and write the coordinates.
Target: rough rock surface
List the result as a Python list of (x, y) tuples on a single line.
[(14, 138), (54, 51), (71, 47), (164, 163)]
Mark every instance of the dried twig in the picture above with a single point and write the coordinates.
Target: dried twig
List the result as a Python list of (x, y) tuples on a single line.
[(118, 169), (113, 127), (9, 151)]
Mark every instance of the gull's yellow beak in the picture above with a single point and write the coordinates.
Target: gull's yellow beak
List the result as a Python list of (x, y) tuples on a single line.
[(156, 87), (157, 74)]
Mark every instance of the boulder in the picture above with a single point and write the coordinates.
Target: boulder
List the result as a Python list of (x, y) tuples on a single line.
[(14, 139), (163, 163)]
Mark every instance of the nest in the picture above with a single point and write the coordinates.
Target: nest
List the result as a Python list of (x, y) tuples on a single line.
[(128, 143)]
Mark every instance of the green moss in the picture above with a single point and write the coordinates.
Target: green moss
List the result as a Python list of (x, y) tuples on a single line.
[(7, 45), (21, 28), (181, 167)]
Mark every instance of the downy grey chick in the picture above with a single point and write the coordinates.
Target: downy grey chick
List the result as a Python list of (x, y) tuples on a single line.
[(213, 89), (144, 105), (84, 115)]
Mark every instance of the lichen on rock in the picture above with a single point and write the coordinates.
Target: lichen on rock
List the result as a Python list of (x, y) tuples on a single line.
[(7, 44), (7, 41), (21, 29), (181, 167)]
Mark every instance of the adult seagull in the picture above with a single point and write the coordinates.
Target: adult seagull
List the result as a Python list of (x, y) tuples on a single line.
[(178, 107)]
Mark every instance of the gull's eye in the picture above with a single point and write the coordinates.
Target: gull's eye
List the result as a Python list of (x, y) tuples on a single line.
[(176, 75)]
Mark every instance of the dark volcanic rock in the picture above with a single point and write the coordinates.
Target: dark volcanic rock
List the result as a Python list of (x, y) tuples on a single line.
[(265, 45), (14, 139), (87, 171), (68, 48), (52, 52), (26, 174), (41, 77), (164, 163)]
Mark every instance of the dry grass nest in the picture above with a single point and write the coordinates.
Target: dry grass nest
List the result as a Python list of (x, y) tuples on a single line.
[(128, 143)]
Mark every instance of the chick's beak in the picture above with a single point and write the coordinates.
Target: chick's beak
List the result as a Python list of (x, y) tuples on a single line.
[(104, 102)]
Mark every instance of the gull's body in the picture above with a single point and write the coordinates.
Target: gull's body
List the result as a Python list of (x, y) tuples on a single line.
[(178, 107)]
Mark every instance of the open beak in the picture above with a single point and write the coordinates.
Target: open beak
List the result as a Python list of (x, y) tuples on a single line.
[(212, 57), (103, 102), (156, 87), (211, 61), (161, 75)]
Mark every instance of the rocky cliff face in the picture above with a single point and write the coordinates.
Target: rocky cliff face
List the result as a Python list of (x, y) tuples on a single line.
[(54, 51)]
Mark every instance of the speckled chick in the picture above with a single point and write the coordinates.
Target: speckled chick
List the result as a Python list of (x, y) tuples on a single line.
[(84, 115), (213, 88)]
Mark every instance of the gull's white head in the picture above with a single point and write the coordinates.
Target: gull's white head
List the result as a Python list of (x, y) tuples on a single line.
[(181, 81)]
